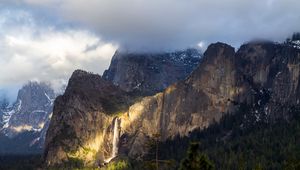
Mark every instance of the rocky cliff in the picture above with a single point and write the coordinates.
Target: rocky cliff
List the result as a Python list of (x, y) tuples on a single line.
[(82, 117), (30, 113), (93, 112), (147, 73)]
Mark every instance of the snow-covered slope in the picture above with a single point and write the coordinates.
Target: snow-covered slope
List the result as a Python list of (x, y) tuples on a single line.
[(31, 113), (295, 44)]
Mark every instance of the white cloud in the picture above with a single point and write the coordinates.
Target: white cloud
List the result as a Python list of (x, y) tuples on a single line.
[(202, 45), (38, 52)]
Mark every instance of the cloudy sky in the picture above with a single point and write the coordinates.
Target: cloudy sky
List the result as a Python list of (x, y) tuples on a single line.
[(46, 40)]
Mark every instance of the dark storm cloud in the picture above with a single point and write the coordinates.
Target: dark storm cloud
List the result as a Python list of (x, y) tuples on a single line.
[(173, 24)]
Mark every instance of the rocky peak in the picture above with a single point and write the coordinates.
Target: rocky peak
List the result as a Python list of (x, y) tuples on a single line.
[(82, 79), (149, 73), (94, 89), (30, 113), (35, 96), (217, 65), (219, 49)]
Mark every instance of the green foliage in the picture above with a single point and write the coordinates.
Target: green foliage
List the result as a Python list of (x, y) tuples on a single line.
[(195, 160), (151, 164), (74, 162), (292, 164), (258, 167), (119, 165)]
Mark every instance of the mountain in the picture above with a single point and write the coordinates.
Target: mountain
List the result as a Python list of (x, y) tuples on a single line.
[(147, 74), (95, 121), (28, 117), (263, 129)]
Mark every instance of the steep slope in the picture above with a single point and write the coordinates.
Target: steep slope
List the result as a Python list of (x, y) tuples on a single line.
[(147, 73), (4, 103), (263, 75), (81, 117), (30, 114)]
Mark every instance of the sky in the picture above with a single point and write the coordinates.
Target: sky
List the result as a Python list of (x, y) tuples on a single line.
[(46, 40)]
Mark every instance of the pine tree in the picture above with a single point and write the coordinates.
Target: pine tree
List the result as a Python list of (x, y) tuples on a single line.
[(195, 160)]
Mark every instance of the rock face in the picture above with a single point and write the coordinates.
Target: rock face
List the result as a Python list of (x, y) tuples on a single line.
[(148, 74), (30, 113), (81, 118), (261, 74)]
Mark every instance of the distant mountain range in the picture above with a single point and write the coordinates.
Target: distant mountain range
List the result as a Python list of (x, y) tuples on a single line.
[(24, 124)]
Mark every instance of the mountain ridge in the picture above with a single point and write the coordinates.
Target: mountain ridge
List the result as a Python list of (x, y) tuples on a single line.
[(223, 79), (147, 73)]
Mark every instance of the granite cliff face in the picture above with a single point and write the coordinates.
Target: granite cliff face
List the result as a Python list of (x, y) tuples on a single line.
[(82, 117), (148, 74), (30, 113), (93, 112)]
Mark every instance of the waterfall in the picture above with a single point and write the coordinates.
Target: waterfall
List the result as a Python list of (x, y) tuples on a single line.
[(116, 138), (115, 141)]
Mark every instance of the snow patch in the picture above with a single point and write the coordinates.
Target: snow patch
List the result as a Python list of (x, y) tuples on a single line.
[(137, 86), (34, 141), (50, 100), (39, 111), (19, 105), (278, 74), (259, 102), (6, 118)]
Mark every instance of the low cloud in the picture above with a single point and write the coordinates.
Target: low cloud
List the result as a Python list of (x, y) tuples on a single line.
[(172, 24)]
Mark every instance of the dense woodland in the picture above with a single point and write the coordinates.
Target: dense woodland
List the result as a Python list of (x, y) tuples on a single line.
[(229, 145), (20, 162)]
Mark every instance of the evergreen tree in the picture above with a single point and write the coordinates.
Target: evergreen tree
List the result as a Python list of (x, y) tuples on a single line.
[(195, 160)]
